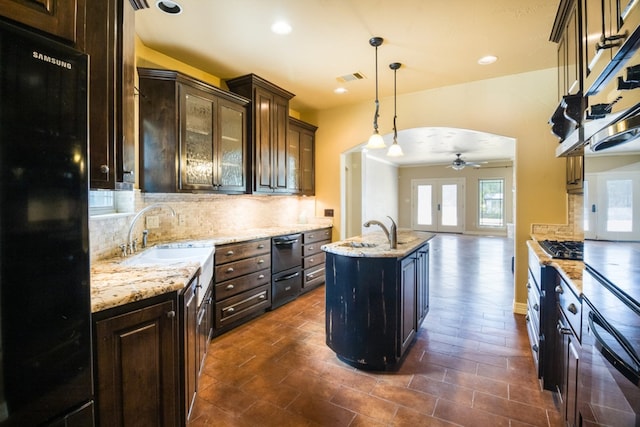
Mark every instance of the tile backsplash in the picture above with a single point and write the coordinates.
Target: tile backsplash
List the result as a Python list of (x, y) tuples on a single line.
[(572, 230), (197, 216)]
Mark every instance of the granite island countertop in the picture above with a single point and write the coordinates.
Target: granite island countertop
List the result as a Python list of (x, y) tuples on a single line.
[(114, 283), (376, 244), (571, 271)]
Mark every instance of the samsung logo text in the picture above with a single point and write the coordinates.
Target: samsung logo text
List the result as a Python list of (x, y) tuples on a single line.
[(55, 61)]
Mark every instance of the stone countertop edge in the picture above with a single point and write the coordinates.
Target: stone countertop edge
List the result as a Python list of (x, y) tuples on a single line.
[(571, 271), (408, 241), (114, 284)]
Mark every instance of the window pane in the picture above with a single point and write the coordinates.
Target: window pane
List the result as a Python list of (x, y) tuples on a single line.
[(619, 205), (491, 202), (450, 205), (425, 197)]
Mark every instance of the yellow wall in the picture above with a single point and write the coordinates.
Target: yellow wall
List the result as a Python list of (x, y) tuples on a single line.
[(517, 106)]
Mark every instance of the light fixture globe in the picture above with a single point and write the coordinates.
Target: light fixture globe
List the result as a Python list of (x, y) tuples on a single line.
[(395, 150), (375, 141)]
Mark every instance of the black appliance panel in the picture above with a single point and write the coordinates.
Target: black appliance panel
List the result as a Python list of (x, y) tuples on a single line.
[(286, 286), (286, 252), (45, 333), (609, 380)]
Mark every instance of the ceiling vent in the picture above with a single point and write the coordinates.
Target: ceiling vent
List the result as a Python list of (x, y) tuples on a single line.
[(351, 77)]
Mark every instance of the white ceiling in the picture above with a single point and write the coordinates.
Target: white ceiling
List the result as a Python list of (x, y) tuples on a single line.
[(438, 43)]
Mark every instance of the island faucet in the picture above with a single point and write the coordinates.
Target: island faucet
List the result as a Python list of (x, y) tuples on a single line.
[(392, 234), (130, 247)]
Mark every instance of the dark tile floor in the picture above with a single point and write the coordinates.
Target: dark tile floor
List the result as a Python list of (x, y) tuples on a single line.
[(469, 365)]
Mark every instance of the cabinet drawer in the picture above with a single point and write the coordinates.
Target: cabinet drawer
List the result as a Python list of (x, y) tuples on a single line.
[(570, 305), (313, 278), (237, 251), (240, 268), (314, 260), (242, 305), (317, 235), (232, 287), (313, 248)]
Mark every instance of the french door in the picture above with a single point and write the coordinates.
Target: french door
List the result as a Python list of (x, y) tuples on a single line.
[(437, 205), (612, 206)]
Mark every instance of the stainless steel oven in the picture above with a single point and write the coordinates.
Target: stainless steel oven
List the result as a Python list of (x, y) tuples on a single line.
[(286, 268), (609, 374)]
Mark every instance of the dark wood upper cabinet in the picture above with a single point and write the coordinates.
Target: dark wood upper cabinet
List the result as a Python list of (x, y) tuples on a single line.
[(110, 41), (192, 135), (301, 157), (61, 18), (268, 126)]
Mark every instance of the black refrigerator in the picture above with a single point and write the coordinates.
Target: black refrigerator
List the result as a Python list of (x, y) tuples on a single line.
[(45, 314)]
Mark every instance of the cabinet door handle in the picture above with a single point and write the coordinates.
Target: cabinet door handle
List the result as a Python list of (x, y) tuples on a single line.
[(527, 318), (230, 270), (559, 290), (104, 169), (528, 285), (536, 307), (572, 308), (229, 253), (562, 330), (229, 287), (171, 314), (534, 348)]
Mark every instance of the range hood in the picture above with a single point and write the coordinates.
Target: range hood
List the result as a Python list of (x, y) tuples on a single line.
[(624, 129)]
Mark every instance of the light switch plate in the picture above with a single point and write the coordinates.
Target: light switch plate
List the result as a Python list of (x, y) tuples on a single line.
[(153, 221)]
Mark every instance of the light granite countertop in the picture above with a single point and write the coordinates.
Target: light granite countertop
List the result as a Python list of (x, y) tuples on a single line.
[(113, 283), (376, 245), (571, 271)]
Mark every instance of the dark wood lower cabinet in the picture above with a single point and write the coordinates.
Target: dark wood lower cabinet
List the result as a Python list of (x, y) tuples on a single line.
[(136, 366)]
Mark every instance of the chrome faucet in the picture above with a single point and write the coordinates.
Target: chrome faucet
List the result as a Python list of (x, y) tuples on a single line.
[(392, 233), (130, 247)]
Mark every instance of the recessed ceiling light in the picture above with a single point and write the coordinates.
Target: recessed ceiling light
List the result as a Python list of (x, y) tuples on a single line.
[(170, 7), (281, 27), (486, 60), (340, 90)]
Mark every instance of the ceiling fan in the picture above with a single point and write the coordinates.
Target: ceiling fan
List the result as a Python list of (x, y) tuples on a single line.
[(459, 164)]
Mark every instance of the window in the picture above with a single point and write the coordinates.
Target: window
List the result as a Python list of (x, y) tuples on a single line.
[(101, 202), (491, 203)]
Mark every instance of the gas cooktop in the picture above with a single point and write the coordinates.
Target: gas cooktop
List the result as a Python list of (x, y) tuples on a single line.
[(568, 249)]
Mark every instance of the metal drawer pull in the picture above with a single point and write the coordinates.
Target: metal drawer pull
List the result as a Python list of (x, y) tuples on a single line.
[(559, 290), (311, 248), (171, 314), (310, 259), (260, 261), (288, 288), (290, 276), (311, 236), (229, 253), (311, 275), (527, 318), (534, 348), (572, 308), (262, 296), (536, 307), (230, 270), (261, 246), (230, 310), (286, 242), (261, 276), (229, 287)]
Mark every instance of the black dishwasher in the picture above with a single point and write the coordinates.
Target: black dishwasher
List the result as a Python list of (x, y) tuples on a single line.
[(286, 269)]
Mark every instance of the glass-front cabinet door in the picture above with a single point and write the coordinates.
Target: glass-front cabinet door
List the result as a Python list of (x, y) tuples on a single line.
[(231, 149), (197, 140)]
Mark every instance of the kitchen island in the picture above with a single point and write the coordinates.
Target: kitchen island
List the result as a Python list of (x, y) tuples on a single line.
[(376, 297)]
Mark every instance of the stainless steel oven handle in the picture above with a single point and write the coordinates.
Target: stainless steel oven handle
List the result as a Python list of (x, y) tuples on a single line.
[(621, 366), (285, 242), (290, 276)]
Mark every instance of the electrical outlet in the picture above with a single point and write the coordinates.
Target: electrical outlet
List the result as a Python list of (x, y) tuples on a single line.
[(328, 212), (153, 222)]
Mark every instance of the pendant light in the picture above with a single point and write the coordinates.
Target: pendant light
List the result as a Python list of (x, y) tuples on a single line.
[(375, 140), (395, 150)]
